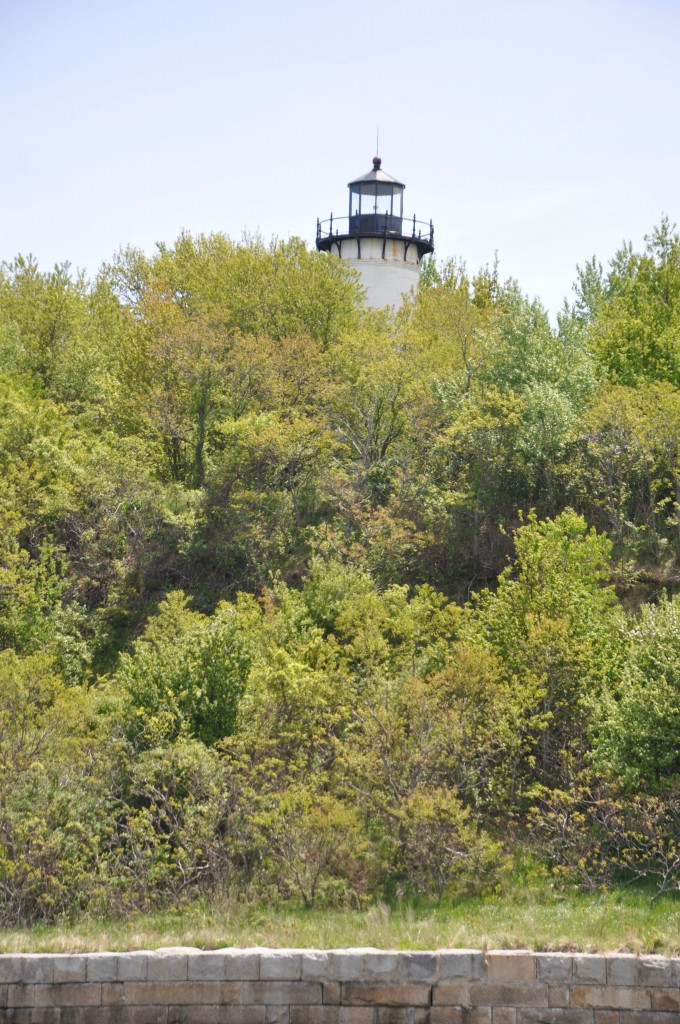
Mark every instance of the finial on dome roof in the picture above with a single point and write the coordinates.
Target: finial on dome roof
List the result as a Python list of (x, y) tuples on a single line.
[(376, 163)]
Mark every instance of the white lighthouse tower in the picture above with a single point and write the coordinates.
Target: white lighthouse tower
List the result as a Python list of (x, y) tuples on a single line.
[(383, 245)]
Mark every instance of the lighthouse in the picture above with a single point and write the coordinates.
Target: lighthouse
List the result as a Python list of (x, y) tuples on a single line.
[(376, 238)]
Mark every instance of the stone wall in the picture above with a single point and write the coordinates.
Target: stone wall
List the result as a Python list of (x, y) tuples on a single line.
[(353, 986)]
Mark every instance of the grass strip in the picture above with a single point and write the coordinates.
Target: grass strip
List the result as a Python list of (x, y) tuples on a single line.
[(619, 920)]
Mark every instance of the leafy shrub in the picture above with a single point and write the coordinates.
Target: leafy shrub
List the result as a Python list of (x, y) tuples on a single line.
[(163, 843), (185, 676), (444, 849), (49, 841), (639, 721), (596, 835), (312, 846)]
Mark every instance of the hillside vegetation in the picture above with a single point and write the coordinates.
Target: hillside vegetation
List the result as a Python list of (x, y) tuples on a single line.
[(306, 603)]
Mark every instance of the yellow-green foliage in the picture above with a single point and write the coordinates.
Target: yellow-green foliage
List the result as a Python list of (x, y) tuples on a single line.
[(308, 601)]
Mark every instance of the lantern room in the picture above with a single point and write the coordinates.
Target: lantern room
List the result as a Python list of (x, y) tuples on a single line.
[(376, 203)]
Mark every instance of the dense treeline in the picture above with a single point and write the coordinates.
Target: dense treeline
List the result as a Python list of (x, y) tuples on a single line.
[(313, 602)]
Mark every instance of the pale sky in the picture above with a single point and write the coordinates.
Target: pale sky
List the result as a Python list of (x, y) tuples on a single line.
[(545, 131)]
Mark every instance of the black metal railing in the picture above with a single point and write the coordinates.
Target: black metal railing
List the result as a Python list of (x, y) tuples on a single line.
[(377, 225)]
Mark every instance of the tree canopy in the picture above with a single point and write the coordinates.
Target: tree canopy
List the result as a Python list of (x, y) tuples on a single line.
[(277, 569)]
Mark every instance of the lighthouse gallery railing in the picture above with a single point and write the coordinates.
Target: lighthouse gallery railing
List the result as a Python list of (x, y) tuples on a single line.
[(377, 225)]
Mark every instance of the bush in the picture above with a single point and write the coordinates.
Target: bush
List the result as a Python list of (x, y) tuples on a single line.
[(312, 846), (596, 835), (164, 842), (444, 849), (185, 676)]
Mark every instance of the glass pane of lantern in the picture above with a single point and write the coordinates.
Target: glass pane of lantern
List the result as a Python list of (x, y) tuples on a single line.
[(368, 199), (384, 203)]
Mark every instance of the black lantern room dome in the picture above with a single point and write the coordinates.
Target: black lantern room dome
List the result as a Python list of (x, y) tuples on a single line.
[(378, 175)]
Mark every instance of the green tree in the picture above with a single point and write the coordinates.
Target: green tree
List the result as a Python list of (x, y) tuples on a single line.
[(185, 675), (637, 740), (627, 467), (264, 485), (634, 313), (554, 625), (49, 311), (277, 290), (54, 803)]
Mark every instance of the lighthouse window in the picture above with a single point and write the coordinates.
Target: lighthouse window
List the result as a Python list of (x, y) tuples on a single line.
[(367, 200), (383, 203)]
